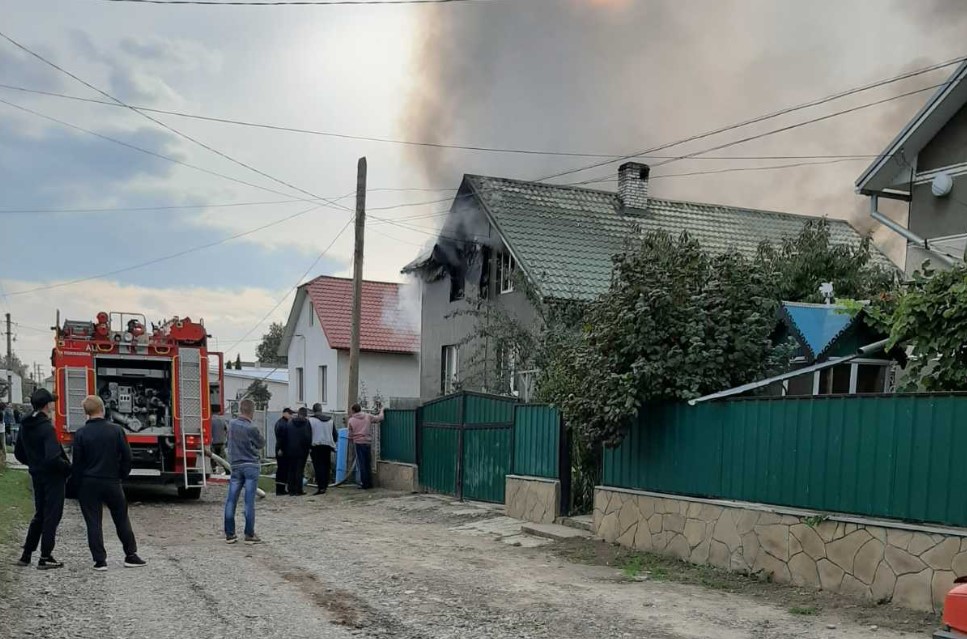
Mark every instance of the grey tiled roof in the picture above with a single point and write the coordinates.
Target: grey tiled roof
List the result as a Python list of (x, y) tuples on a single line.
[(565, 236)]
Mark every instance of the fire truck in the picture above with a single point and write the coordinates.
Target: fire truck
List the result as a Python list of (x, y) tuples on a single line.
[(159, 385)]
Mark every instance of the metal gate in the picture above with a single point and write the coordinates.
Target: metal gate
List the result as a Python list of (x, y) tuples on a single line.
[(465, 445)]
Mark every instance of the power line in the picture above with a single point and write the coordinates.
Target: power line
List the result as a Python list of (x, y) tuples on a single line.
[(762, 118), (301, 277), (165, 257), (282, 3), (185, 136), (384, 140)]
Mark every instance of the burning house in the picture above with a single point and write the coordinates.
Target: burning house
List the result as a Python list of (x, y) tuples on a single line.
[(559, 241)]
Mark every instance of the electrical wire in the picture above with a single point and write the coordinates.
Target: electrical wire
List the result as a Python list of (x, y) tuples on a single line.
[(165, 258), (762, 118), (384, 140), (297, 284), (180, 134)]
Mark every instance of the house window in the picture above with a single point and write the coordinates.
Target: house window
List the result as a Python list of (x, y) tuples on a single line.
[(312, 315), (484, 272), (505, 272), (511, 368), (448, 369), (457, 284), (300, 385), (323, 371)]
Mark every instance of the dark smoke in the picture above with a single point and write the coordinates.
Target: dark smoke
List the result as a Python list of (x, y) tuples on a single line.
[(616, 76)]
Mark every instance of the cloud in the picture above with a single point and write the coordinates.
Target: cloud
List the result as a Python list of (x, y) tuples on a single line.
[(182, 54), (228, 314)]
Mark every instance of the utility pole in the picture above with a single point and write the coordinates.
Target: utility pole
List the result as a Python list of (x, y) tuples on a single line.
[(357, 282), (9, 365)]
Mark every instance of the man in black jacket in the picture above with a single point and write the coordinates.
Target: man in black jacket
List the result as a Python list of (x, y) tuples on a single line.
[(38, 449), (281, 461), (298, 440), (102, 458)]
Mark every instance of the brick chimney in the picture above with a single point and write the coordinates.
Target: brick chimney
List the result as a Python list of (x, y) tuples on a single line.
[(633, 185)]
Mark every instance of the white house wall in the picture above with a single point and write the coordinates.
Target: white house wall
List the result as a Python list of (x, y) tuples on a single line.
[(388, 374), (310, 352), (279, 390)]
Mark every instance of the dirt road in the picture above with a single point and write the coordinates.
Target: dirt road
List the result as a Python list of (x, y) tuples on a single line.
[(372, 565)]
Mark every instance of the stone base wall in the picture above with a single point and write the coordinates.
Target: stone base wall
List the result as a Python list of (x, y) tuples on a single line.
[(878, 560), (398, 476), (532, 498)]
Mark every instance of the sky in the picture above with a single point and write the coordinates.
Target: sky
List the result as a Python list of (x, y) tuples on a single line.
[(589, 76)]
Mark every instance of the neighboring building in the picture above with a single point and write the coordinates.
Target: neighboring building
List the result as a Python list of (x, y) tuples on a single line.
[(277, 382), (560, 240), (824, 333), (926, 166), (317, 339), (17, 394)]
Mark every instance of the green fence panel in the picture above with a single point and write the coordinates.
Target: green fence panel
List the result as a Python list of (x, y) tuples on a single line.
[(487, 456), (537, 441), (893, 456), (397, 436), (446, 410), (488, 409), (438, 459)]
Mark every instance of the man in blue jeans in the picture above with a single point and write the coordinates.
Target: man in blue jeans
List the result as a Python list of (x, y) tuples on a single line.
[(244, 443)]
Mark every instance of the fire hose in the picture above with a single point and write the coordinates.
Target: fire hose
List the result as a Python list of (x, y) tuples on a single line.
[(228, 469)]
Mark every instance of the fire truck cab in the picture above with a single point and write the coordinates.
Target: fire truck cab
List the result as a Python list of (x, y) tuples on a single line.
[(159, 385)]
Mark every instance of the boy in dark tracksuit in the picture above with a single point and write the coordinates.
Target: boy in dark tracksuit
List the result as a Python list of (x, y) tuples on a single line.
[(102, 458), (38, 449)]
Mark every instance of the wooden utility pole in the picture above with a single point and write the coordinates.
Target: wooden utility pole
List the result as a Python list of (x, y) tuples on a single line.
[(9, 365), (357, 282)]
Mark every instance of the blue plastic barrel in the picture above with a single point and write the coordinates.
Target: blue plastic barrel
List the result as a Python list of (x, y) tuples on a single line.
[(341, 449)]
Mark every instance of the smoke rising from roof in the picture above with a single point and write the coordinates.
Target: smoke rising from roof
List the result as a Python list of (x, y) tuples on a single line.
[(616, 76)]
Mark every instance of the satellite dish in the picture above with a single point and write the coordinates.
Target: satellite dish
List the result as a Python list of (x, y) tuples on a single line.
[(942, 184)]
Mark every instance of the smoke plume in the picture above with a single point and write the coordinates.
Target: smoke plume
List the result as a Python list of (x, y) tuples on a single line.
[(618, 76)]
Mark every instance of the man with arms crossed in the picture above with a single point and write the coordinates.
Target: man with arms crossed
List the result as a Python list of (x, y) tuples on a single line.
[(102, 458), (244, 443)]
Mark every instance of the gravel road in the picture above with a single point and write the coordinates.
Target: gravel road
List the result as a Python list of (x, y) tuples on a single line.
[(353, 564)]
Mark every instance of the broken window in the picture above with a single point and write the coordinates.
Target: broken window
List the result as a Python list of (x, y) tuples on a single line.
[(505, 272), (448, 369), (485, 272), (457, 285)]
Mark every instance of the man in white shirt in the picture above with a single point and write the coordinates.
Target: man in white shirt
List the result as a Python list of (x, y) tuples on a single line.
[(323, 445)]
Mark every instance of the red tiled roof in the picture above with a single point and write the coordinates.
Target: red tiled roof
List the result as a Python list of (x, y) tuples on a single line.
[(384, 326)]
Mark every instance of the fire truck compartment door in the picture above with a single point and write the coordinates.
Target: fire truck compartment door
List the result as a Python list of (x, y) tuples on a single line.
[(75, 386), (189, 391)]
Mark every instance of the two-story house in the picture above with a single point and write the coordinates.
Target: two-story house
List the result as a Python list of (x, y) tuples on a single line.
[(317, 340), (926, 166), (560, 240)]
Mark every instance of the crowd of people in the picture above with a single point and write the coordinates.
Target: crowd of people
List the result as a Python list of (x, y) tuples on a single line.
[(101, 458)]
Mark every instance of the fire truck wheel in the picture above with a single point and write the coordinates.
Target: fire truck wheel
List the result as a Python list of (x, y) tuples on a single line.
[(189, 493)]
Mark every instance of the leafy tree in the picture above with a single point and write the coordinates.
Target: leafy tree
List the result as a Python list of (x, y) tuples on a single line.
[(801, 264), (259, 393), (14, 364), (267, 350), (928, 316), (675, 324)]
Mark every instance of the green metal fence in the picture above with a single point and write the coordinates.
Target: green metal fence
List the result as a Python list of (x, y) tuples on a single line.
[(894, 456), (465, 445), (537, 441), (397, 436)]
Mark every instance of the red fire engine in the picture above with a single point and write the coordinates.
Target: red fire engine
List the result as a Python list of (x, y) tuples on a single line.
[(160, 386)]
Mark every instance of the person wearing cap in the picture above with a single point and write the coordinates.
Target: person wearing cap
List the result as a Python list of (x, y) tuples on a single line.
[(281, 461), (38, 449)]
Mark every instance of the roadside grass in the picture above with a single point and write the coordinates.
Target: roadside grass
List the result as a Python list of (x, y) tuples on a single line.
[(800, 601), (16, 507)]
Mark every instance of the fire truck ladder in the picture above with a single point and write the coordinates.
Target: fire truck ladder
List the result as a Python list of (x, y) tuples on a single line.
[(190, 413)]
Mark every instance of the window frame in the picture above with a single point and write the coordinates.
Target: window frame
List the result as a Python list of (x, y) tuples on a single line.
[(506, 267), (448, 368), (300, 384), (323, 384)]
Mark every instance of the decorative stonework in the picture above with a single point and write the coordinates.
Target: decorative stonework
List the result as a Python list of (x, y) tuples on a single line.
[(908, 565), (534, 499), (397, 476)]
